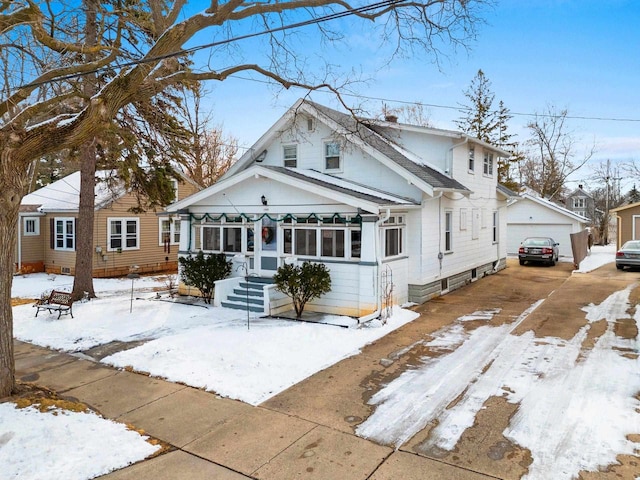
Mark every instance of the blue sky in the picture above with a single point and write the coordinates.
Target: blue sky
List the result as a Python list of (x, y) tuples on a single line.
[(583, 55)]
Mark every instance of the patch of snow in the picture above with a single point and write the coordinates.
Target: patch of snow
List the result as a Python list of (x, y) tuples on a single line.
[(64, 444)]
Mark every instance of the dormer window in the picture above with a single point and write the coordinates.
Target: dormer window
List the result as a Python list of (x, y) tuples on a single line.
[(290, 155), (332, 156)]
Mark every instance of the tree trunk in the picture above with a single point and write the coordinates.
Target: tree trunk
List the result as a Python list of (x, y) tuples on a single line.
[(11, 192), (83, 281)]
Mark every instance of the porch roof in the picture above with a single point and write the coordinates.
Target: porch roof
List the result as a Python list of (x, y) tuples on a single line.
[(344, 186)]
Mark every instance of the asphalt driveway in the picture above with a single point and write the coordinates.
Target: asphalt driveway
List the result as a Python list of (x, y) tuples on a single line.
[(548, 305)]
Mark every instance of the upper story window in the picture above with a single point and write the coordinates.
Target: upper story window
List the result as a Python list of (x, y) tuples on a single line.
[(65, 234), (290, 155), (123, 233), (332, 156), (31, 227), (579, 202), (487, 167), (472, 159)]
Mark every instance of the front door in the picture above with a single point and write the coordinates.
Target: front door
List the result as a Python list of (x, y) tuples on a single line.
[(267, 254)]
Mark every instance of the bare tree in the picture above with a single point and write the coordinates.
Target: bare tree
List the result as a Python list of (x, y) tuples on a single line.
[(207, 153), (43, 111), (552, 153)]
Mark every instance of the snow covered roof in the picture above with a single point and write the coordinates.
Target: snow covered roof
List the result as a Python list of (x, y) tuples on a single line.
[(549, 204), (64, 195)]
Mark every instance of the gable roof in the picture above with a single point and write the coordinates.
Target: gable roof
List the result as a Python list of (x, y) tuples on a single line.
[(339, 189), (64, 195), (625, 207), (550, 205), (375, 138)]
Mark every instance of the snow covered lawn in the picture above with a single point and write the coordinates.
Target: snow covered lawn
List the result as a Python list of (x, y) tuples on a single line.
[(199, 345), (64, 444)]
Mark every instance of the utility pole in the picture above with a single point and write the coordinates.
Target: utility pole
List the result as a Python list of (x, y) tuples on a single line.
[(605, 227)]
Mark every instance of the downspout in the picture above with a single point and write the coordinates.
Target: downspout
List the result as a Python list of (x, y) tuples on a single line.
[(19, 254), (378, 249), (455, 145)]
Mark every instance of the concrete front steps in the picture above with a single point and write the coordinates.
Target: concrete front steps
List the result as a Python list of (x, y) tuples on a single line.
[(249, 295)]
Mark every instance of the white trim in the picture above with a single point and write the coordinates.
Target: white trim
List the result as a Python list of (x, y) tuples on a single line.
[(174, 228), (123, 235), (65, 221), (36, 226)]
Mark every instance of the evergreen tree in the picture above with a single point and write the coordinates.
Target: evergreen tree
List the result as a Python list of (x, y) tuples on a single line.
[(480, 120), (633, 196)]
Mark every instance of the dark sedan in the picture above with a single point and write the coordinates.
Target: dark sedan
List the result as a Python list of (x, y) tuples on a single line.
[(538, 249), (628, 255)]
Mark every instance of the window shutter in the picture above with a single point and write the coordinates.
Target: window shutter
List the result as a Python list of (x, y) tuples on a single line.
[(52, 233)]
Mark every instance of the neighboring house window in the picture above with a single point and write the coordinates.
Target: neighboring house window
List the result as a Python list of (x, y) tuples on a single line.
[(332, 156), (393, 230), (290, 154), (495, 227), (65, 233), (31, 227), (472, 159), (463, 219), (448, 231), (578, 202), (169, 231), (488, 163), (123, 233)]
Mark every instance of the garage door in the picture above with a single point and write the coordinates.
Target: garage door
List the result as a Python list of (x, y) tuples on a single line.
[(560, 233)]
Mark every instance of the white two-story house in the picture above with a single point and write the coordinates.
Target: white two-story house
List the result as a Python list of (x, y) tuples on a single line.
[(398, 213)]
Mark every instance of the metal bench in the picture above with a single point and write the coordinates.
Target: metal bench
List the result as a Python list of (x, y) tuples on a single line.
[(56, 302)]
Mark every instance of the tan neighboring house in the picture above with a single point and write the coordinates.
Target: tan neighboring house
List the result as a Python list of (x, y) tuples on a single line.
[(121, 239), (627, 222)]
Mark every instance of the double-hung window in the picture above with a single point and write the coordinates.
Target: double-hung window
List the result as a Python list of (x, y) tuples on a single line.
[(578, 202), (290, 155), (332, 156), (65, 234), (169, 231), (472, 159), (488, 163), (123, 233), (393, 230), (448, 231)]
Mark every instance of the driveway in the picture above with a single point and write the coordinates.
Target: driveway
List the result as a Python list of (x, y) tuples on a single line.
[(553, 323)]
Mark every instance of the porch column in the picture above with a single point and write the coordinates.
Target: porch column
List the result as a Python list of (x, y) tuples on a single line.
[(368, 239), (186, 235)]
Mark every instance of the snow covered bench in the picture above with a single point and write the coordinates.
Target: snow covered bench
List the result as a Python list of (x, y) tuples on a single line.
[(56, 302)]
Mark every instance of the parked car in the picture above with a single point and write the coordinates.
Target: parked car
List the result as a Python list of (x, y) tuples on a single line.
[(538, 249), (628, 255)]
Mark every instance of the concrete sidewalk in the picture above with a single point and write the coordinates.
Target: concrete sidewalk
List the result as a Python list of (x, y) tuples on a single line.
[(213, 437)]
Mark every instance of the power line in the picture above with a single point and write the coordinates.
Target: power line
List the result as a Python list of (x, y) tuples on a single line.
[(187, 51), (450, 107)]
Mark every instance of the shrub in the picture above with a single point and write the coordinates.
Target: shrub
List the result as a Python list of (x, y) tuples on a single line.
[(202, 271), (303, 283)]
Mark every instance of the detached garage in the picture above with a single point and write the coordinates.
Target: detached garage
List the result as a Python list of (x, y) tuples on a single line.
[(532, 216)]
